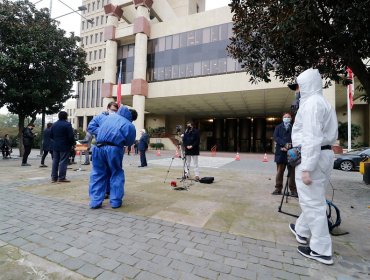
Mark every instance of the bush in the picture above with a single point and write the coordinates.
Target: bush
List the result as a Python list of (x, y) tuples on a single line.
[(156, 146)]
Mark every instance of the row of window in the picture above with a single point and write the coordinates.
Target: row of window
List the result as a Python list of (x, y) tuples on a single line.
[(89, 94), (93, 39), (95, 5), (99, 20), (96, 55)]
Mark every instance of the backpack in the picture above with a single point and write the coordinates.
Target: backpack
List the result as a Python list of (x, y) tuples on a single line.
[(207, 180)]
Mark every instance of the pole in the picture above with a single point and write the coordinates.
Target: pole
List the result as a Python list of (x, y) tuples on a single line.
[(50, 6), (349, 130)]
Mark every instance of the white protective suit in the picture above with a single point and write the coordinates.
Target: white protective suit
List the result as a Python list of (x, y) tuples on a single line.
[(315, 126)]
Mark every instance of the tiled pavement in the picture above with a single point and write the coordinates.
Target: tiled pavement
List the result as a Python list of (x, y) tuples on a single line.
[(107, 244)]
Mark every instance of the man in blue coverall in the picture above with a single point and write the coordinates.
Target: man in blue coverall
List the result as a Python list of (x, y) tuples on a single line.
[(115, 132)]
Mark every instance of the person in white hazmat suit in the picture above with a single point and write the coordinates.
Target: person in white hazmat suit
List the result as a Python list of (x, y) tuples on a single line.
[(315, 130)]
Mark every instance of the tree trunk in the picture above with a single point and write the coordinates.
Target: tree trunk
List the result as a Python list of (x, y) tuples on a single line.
[(42, 131), (21, 119)]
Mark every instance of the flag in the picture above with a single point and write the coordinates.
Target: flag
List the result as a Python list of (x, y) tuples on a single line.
[(350, 87), (119, 85)]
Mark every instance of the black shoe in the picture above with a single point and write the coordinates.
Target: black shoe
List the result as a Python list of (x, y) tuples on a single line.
[(86, 163), (276, 192), (300, 239), (96, 207), (308, 253), (54, 181), (64, 181), (26, 164), (43, 165), (293, 194)]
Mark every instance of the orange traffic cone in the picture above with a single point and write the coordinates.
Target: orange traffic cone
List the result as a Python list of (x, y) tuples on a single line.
[(158, 153), (265, 158), (177, 153), (237, 157), (77, 153)]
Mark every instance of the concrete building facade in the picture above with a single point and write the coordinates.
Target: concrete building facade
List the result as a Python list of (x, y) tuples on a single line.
[(175, 68)]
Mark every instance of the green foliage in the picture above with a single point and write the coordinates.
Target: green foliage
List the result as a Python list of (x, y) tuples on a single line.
[(157, 146), (81, 134), (286, 37), (157, 132), (38, 62), (343, 132)]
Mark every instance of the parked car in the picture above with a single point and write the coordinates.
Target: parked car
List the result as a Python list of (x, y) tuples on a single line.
[(351, 161)]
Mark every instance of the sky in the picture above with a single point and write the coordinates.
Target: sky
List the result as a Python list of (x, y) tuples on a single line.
[(71, 22)]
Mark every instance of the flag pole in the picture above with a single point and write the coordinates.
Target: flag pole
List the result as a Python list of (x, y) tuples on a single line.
[(349, 130)]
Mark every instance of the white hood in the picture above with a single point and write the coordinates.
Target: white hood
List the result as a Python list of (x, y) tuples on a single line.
[(310, 83)]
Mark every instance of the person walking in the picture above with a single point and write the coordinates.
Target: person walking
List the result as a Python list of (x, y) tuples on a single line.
[(283, 139), (191, 141), (315, 130), (63, 139), (28, 137), (46, 144), (114, 133), (142, 147), (88, 139)]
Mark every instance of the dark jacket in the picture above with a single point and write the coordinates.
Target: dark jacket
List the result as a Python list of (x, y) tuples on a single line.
[(143, 142), (191, 138), (47, 142), (282, 137), (27, 136), (62, 135)]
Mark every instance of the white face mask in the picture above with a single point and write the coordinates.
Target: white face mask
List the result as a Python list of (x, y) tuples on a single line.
[(111, 112), (286, 120)]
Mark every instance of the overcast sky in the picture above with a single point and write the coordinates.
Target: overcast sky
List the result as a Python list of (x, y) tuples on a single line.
[(71, 22)]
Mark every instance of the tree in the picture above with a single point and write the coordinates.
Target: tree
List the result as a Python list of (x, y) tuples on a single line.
[(286, 37), (343, 132), (38, 62)]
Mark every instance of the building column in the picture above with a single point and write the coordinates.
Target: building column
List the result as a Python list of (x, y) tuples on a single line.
[(110, 66), (84, 126), (139, 85)]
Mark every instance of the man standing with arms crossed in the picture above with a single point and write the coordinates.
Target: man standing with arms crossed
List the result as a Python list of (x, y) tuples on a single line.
[(315, 129)]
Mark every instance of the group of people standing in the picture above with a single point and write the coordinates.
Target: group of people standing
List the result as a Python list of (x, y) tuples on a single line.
[(315, 130)]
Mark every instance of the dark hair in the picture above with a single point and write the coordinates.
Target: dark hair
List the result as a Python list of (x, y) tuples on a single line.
[(6, 135), (31, 124), (63, 115), (133, 114), (49, 125), (112, 103)]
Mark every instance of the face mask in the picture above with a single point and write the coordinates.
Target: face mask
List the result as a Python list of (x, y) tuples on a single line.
[(111, 112), (286, 120)]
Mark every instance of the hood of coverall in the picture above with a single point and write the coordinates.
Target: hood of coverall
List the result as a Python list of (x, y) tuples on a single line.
[(125, 112), (310, 83)]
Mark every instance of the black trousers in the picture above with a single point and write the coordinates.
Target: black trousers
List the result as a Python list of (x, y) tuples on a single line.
[(143, 158), (27, 151), (44, 154)]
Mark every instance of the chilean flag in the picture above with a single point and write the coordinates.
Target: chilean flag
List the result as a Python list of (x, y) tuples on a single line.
[(350, 87), (119, 85)]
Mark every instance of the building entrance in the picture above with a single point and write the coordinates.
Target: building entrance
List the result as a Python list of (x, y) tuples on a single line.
[(250, 134)]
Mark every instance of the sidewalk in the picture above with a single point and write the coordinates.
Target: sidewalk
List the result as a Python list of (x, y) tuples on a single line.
[(227, 230)]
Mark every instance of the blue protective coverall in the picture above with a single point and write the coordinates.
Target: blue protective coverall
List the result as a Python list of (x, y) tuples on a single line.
[(115, 132)]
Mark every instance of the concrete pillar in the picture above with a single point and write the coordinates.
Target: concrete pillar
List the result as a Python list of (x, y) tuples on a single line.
[(114, 14), (139, 85), (84, 127)]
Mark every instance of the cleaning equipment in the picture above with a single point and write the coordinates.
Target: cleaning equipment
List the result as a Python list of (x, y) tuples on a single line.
[(265, 158), (237, 157), (173, 184)]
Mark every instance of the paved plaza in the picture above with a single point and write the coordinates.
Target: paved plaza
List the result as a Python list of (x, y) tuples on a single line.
[(230, 229)]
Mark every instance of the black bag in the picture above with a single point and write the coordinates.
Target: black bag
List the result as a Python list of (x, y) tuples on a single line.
[(207, 180)]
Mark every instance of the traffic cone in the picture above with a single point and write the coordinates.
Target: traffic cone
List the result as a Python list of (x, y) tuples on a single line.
[(265, 158), (177, 153), (77, 153), (158, 153), (237, 157)]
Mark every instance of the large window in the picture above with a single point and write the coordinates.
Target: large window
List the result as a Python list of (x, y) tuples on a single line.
[(190, 54), (126, 54)]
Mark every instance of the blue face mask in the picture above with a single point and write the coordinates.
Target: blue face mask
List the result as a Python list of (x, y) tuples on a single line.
[(286, 120)]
